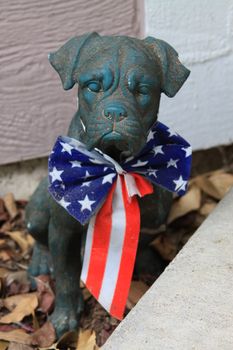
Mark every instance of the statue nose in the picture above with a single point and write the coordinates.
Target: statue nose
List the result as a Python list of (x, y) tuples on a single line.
[(116, 113)]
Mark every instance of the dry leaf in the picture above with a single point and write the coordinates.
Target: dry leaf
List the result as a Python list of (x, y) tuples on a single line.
[(2, 243), (46, 302), (68, 340), (206, 186), (25, 304), (6, 226), (215, 185), (4, 272), (86, 340), (10, 205), (222, 182), (189, 202), (4, 255), (45, 336), (35, 322), (166, 247), (86, 294), (207, 208), (11, 302), (136, 291), (4, 345), (17, 346), (31, 240), (20, 238), (18, 282), (18, 276), (45, 294), (17, 335), (81, 284)]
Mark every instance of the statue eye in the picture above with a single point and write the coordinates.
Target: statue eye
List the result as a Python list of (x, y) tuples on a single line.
[(94, 86), (143, 90)]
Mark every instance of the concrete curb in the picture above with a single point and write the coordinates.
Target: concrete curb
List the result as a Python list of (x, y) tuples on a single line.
[(190, 306), (22, 178)]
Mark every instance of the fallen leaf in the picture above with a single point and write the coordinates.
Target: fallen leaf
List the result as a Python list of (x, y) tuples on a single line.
[(2, 209), (68, 340), (2, 243), (45, 336), (189, 202), (4, 345), (20, 238), (86, 294), (3, 214), (52, 347), (17, 335), (222, 182), (31, 240), (18, 276), (25, 304), (11, 302), (4, 272), (1, 285), (81, 284), (45, 294), (4, 255), (35, 322), (215, 185), (86, 340), (136, 291), (17, 288), (165, 246), (10, 205), (207, 208), (7, 327), (6, 226), (17, 346)]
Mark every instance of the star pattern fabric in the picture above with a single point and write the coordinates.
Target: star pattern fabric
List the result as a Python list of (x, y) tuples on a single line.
[(80, 180)]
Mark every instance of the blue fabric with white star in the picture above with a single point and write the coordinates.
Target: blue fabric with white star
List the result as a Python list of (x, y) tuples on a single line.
[(79, 180)]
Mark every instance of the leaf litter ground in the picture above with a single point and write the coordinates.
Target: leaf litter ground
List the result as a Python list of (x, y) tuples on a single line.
[(24, 311)]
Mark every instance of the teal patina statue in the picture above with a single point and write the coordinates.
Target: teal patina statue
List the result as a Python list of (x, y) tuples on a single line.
[(120, 80)]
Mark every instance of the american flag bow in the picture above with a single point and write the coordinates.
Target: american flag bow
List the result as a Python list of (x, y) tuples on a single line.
[(94, 188)]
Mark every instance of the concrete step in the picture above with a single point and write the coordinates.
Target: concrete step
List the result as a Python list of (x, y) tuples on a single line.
[(190, 306)]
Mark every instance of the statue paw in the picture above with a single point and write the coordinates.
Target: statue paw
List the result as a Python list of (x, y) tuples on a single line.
[(41, 263), (65, 319)]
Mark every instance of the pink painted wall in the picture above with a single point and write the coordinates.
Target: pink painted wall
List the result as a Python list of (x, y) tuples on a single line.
[(34, 108)]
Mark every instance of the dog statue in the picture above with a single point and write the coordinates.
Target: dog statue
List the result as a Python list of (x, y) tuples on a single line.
[(120, 81)]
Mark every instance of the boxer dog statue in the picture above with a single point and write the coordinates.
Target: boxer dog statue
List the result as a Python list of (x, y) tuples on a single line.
[(120, 80)]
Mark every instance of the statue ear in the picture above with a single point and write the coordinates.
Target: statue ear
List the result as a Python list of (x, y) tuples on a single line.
[(174, 73), (66, 58)]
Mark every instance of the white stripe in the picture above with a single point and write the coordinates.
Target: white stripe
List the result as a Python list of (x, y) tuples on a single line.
[(115, 249), (131, 185), (88, 246)]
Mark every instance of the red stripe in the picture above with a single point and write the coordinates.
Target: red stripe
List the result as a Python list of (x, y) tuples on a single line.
[(144, 186), (128, 253), (100, 244)]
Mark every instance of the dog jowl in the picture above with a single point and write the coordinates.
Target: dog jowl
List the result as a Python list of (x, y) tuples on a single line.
[(120, 80)]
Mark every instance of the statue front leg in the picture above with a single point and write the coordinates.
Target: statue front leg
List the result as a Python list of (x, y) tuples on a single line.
[(65, 248)]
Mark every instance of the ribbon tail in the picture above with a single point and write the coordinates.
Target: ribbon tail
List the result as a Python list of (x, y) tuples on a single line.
[(110, 250), (128, 252), (96, 246)]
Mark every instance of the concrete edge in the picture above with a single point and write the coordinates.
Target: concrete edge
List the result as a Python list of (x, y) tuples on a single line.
[(190, 305)]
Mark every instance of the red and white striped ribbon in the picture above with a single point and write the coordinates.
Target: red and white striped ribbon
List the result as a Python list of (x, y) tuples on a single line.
[(111, 243)]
